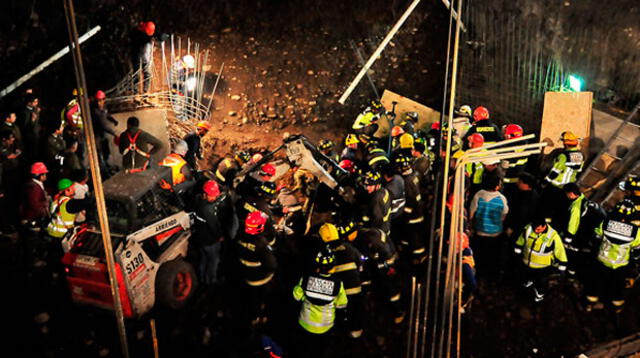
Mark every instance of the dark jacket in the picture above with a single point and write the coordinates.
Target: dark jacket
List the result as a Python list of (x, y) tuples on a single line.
[(257, 259), (522, 207), (101, 122), (214, 221), (193, 141), (377, 212), (35, 203), (137, 147), (488, 129), (17, 133)]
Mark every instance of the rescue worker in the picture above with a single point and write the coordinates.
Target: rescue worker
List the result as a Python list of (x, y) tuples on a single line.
[(409, 122), (483, 125), (474, 171), (193, 140), (433, 138), (376, 206), (351, 150), (326, 147), (71, 116), (347, 270), (258, 266), (456, 143), (541, 247), (180, 169), (394, 184), (34, 213), (229, 167), (134, 146), (566, 166), (324, 300), (376, 156), (405, 146), (620, 238), (53, 150), (253, 182), (396, 132), (516, 166), (141, 39), (578, 234), (413, 228), (70, 159), (215, 221), (469, 282), (462, 120), (421, 166), (102, 125), (366, 122), (260, 200), (522, 206), (632, 187)]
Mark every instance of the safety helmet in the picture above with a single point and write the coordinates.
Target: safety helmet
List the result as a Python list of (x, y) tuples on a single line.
[(376, 106), (268, 188), (256, 157), (513, 131), (181, 148), (348, 231), (75, 92), (480, 113), (633, 183), (411, 116), (188, 61), (347, 165), (38, 168), (328, 232), (326, 144), (64, 184), (435, 126), (625, 209), (243, 156), (396, 131), (267, 169), (371, 178), (211, 188), (148, 28), (476, 140), (351, 139), (406, 141), (325, 260), (255, 222), (464, 110), (203, 125), (569, 138), (403, 162), (100, 94)]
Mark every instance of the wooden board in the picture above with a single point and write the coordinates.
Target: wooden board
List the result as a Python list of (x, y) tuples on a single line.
[(565, 111), (426, 115)]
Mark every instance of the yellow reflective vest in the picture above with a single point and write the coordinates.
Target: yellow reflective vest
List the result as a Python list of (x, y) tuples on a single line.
[(61, 219), (541, 250)]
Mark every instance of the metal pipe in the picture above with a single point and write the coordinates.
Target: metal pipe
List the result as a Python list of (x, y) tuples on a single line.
[(411, 313), (455, 14), (378, 51), (361, 60), (17, 83), (213, 91), (95, 174), (415, 333)]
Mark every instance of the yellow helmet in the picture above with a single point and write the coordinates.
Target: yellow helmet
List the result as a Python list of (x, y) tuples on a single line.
[(569, 138), (351, 139), (328, 232), (406, 141)]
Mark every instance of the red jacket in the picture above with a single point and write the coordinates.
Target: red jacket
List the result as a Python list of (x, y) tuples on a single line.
[(35, 205)]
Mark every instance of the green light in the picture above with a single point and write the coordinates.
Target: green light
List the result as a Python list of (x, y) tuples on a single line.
[(575, 83)]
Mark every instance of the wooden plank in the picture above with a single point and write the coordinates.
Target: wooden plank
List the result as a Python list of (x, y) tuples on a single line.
[(426, 115), (565, 111)]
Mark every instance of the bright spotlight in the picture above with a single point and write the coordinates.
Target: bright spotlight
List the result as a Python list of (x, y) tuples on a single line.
[(190, 83), (575, 83)]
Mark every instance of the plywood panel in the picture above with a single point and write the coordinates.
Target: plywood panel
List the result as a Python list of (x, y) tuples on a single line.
[(566, 111), (154, 121), (426, 115)]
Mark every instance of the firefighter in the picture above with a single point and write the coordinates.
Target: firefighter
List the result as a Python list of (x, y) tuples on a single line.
[(483, 125), (53, 150), (260, 200), (405, 146), (578, 234), (474, 171), (456, 143), (566, 166), (409, 122), (376, 209), (462, 120), (366, 122), (326, 147), (141, 39), (632, 186), (180, 169), (421, 165), (541, 247), (71, 117), (396, 132), (620, 238), (413, 214), (324, 300), (229, 167), (516, 166), (258, 266), (351, 149), (193, 140), (376, 156), (252, 183), (134, 146), (347, 269)]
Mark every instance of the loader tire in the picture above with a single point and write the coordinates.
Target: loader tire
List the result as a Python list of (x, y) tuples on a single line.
[(175, 284)]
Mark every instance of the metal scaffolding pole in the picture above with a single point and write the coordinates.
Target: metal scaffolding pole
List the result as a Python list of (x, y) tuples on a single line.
[(95, 171)]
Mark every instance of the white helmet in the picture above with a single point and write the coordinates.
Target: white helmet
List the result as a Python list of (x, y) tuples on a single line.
[(181, 148), (189, 61)]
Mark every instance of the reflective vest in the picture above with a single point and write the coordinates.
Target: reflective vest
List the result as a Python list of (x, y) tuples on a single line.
[(474, 171), (541, 250), (175, 162), (134, 149), (72, 115), (618, 240), (364, 119), (61, 219), (516, 167), (321, 297), (566, 167)]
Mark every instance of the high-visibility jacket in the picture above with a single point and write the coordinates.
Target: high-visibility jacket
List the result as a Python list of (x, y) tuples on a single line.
[(541, 250), (566, 167), (321, 296), (475, 172), (618, 239), (584, 218), (176, 163), (516, 167), (364, 119), (61, 219)]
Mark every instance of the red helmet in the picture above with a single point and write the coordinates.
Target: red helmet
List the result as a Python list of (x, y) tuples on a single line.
[(480, 113), (476, 140), (149, 28), (396, 131), (254, 223), (347, 165), (211, 188), (204, 125), (435, 126), (38, 168), (100, 95), (513, 131), (268, 169)]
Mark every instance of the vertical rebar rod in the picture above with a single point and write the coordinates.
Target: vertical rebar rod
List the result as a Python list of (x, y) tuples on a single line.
[(213, 91), (411, 314), (95, 173), (415, 333)]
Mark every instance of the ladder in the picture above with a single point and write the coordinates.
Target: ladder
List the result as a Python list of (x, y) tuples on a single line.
[(619, 157)]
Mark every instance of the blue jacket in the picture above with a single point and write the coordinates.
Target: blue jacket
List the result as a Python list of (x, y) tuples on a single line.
[(488, 209)]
